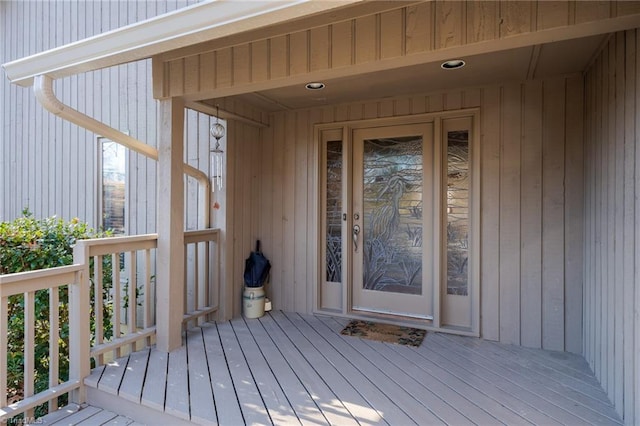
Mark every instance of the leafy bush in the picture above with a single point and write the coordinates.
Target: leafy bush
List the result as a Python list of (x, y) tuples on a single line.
[(28, 244)]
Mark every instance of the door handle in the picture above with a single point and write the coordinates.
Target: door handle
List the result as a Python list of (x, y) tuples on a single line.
[(356, 231)]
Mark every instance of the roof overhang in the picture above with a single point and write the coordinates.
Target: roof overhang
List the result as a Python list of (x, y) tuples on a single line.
[(195, 24)]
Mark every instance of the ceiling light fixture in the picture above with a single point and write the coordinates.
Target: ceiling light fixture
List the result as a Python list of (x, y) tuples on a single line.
[(315, 86), (452, 64)]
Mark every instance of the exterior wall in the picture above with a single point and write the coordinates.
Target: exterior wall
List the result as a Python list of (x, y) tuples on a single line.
[(50, 165), (531, 202), (612, 209)]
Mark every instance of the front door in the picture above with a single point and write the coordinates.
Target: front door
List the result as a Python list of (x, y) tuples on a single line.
[(392, 236)]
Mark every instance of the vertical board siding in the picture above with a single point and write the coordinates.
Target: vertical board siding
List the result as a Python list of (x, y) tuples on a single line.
[(526, 294), (531, 214), (510, 225), (612, 236), (50, 165), (421, 28)]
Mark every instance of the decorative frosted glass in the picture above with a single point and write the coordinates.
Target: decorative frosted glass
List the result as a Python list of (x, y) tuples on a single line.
[(457, 212), (392, 215), (334, 211)]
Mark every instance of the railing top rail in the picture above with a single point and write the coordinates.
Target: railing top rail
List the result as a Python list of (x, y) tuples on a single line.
[(117, 240), (41, 279), (108, 245), (200, 235)]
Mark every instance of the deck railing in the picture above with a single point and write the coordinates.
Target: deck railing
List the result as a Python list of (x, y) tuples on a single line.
[(201, 294), (54, 281), (127, 292), (112, 281)]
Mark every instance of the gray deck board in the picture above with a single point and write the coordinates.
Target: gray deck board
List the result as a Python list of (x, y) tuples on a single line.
[(267, 377), (270, 336), (366, 378), (251, 401), (153, 391), (119, 420), (379, 370), (74, 414), (346, 394), (203, 409), (79, 416), (498, 388), (289, 368), (536, 407), (177, 396), (133, 380), (228, 410), (112, 375), (98, 418), (584, 405), (427, 391)]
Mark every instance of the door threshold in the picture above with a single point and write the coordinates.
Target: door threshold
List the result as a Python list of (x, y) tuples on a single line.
[(395, 319)]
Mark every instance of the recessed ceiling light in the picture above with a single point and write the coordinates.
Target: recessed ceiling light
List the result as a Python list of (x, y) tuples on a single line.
[(315, 86), (452, 64)]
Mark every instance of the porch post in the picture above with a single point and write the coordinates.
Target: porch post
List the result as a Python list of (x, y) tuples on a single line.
[(170, 254)]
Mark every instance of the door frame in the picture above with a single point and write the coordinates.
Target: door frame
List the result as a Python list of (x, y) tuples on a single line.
[(373, 301), (341, 297)]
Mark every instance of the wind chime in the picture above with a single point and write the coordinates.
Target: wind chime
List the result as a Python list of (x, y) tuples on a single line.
[(216, 154)]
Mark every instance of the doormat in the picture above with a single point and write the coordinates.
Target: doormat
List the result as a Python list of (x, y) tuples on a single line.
[(385, 332)]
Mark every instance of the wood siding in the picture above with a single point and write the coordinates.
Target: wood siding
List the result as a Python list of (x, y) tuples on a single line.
[(531, 202), (612, 209), (334, 47), (50, 165)]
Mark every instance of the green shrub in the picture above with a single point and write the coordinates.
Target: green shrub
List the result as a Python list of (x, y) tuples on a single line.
[(28, 244)]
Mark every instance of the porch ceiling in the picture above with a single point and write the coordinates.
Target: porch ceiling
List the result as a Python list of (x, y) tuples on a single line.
[(530, 62)]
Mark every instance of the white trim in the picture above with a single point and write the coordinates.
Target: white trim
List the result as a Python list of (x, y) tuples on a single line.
[(194, 24)]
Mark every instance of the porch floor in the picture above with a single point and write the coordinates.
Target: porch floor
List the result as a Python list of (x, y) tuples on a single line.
[(289, 369)]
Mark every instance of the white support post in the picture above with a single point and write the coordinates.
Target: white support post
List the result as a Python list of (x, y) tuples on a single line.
[(79, 331), (170, 263)]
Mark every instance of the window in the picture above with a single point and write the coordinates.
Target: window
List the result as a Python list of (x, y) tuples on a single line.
[(113, 175)]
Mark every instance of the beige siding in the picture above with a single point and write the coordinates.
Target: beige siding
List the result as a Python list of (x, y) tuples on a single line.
[(612, 158), (531, 204), (335, 47), (50, 165)]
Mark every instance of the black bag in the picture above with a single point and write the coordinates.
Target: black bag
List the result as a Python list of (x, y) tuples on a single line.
[(256, 268)]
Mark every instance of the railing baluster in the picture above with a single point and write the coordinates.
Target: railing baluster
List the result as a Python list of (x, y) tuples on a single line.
[(133, 302), (29, 346), (115, 288), (196, 281), (207, 277), (98, 303), (147, 288), (54, 347), (147, 291), (4, 331)]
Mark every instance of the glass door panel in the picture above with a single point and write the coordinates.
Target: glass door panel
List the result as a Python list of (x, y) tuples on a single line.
[(392, 214), (456, 294)]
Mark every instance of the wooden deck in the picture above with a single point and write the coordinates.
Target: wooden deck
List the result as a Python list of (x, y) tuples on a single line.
[(293, 369)]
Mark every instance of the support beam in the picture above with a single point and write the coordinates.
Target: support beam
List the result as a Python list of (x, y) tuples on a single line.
[(170, 263)]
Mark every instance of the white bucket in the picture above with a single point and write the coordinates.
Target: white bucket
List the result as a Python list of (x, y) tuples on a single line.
[(253, 302)]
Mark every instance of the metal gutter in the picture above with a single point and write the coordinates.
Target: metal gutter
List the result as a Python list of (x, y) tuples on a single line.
[(43, 89), (190, 25)]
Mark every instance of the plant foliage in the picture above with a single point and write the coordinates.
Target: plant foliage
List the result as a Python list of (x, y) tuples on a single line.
[(28, 244)]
